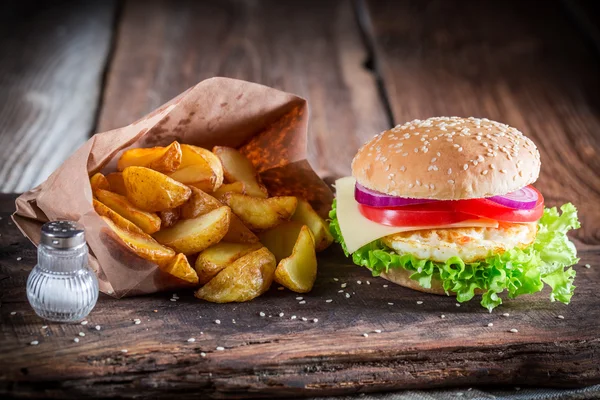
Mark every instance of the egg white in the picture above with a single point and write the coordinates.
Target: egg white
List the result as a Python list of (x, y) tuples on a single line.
[(470, 244)]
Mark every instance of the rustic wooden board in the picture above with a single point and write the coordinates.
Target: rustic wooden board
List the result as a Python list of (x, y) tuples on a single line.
[(275, 356), (501, 60), (310, 48), (53, 58)]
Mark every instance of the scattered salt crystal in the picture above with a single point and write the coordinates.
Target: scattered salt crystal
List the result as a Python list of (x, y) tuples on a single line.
[(34, 343), (191, 340)]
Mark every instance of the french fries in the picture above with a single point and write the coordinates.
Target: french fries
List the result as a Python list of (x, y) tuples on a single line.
[(258, 213), (298, 272), (162, 159), (319, 228), (237, 168), (212, 260), (142, 244), (153, 191), (245, 279), (98, 181), (189, 236), (180, 268), (148, 222), (117, 185), (183, 204)]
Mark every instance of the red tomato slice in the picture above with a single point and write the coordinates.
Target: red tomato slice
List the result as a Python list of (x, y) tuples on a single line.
[(399, 217)]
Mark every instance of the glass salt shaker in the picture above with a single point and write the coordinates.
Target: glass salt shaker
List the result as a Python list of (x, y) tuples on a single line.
[(62, 287)]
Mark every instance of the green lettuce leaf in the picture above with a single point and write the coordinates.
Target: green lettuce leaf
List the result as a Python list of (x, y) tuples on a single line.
[(517, 271)]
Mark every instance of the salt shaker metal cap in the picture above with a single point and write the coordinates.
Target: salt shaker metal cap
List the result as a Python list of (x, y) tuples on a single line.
[(62, 287), (62, 234)]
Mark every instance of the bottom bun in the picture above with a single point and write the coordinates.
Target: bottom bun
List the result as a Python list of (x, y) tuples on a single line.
[(401, 277)]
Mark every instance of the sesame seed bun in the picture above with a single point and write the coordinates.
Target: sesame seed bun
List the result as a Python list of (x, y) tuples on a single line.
[(447, 158)]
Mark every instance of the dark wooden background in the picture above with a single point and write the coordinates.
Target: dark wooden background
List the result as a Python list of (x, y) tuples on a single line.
[(69, 69)]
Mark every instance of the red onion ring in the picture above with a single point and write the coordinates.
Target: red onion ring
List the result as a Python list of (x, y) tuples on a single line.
[(523, 199), (373, 198)]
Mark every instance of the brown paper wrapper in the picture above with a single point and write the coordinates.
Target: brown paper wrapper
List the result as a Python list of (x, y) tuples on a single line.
[(267, 125)]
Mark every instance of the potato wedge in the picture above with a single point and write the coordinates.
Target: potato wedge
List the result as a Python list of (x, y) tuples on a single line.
[(189, 236), (212, 260), (153, 191), (148, 222), (121, 222), (201, 203), (98, 181), (298, 272), (199, 168), (142, 244), (193, 154), (198, 175), (180, 267), (237, 168), (281, 239), (260, 214), (247, 278), (162, 159), (235, 187), (169, 217), (317, 225), (117, 185)]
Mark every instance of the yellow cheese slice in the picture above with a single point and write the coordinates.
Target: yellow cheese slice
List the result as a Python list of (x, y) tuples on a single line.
[(358, 230)]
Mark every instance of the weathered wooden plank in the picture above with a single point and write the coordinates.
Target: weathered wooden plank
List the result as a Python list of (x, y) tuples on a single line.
[(52, 56), (309, 48), (521, 63), (276, 356)]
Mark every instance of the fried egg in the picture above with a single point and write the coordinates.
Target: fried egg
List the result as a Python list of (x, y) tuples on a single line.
[(470, 244)]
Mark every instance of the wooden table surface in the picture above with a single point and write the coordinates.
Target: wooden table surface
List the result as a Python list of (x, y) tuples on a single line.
[(70, 69)]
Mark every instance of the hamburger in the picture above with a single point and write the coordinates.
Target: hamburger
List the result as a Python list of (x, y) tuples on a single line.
[(446, 206)]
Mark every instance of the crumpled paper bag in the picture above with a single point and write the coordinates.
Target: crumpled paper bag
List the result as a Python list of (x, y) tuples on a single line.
[(267, 125)]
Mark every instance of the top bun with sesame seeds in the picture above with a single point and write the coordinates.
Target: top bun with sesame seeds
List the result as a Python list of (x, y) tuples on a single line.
[(447, 158)]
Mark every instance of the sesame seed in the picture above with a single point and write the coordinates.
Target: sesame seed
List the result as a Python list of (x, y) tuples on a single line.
[(13, 313), (262, 314), (219, 348), (484, 172), (402, 168), (202, 354), (44, 326), (588, 266), (328, 301), (365, 334), (490, 325), (293, 317), (347, 295), (155, 310), (19, 258), (340, 291), (513, 330), (434, 159), (302, 302), (124, 351), (81, 334), (299, 298), (410, 185), (304, 319), (457, 305), (385, 286), (368, 282), (315, 320), (76, 340), (281, 314), (336, 279), (418, 182), (377, 331), (191, 340), (466, 166), (359, 282), (84, 322), (560, 316), (460, 148), (34, 343), (390, 304), (173, 299), (505, 314), (419, 302), (449, 171), (343, 285), (137, 322), (502, 171), (442, 316), (97, 327), (451, 181)]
